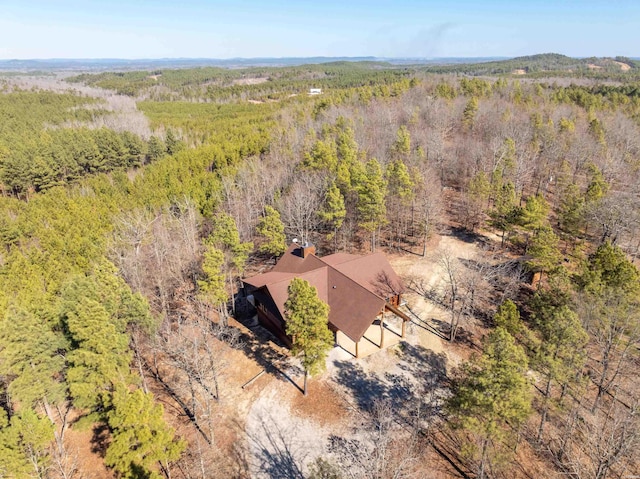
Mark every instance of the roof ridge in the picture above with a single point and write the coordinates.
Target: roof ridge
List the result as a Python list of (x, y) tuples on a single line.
[(355, 256), (298, 275)]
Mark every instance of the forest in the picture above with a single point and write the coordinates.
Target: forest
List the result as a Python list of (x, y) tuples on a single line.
[(133, 203)]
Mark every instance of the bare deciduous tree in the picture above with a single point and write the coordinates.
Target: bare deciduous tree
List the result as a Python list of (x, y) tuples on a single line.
[(385, 451), (300, 205)]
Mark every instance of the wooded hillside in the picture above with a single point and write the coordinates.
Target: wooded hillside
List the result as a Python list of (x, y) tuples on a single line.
[(122, 249)]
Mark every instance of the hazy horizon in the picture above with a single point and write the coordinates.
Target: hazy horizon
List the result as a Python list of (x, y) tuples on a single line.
[(213, 29)]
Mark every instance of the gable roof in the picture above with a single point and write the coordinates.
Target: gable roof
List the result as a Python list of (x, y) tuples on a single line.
[(356, 288), (372, 271)]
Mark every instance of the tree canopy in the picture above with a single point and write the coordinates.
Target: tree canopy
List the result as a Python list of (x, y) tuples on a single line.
[(307, 323)]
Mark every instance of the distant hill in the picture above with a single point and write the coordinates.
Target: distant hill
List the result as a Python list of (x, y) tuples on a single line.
[(542, 64), (113, 64), (525, 65)]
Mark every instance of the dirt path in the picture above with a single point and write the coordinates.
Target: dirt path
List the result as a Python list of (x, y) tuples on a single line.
[(279, 443), (286, 431)]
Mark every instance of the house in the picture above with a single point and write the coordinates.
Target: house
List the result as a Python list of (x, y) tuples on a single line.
[(358, 289), (315, 91)]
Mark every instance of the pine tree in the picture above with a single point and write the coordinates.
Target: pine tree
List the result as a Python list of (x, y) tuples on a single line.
[(610, 307), (213, 286), (572, 209), (402, 146), (323, 156), (225, 237), (347, 149), (400, 194), (508, 317), (598, 186), (307, 319), (560, 355), (371, 188), (480, 188), (544, 250), (100, 355), (333, 210), (156, 149), (32, 353), (492, 396), (270, 227), (173, 143), (479, 192), (534, 214), (469, 113), (24, 442), (505, 213), (400, 184), (141, 440)]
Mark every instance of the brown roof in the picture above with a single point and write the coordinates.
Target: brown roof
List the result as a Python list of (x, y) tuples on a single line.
[(372, 271), (292, 262), (355, 287)]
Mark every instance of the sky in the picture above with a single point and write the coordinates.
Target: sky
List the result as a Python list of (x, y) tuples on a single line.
[(142, 29)]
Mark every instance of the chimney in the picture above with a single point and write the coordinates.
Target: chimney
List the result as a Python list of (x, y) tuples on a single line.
[(306, 249)]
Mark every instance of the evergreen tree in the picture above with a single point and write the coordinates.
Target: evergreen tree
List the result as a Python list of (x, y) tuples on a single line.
[(333, 210), (508, 317), (478, 194), (492, 396), (469, 113), (400, 195), (136, 148), (156, 149), (534, 214), (371, 188), (24, 442), (347, 150), (173, 143), (33, 354), (402, 146), (271, 228), (100, 354), (545, 251), (610, 305), (323, 156), (225, 237), (213, 286), (571, 214), (505, 213), (400, 184), (560, 355), (141, 441), (597, 186), (480, 188), (307, 319)]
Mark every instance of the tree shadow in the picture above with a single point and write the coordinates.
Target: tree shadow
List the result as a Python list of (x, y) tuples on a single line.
[(424, 364), (448, 446), (365, 388), (100, 439), (277, 453), (441, 328), (139, 472), (166, 386), (415, 384), (261, 346), (429, 371), (426, 325), (470, 237)]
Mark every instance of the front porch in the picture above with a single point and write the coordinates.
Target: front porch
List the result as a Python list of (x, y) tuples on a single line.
[(387, 330)]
